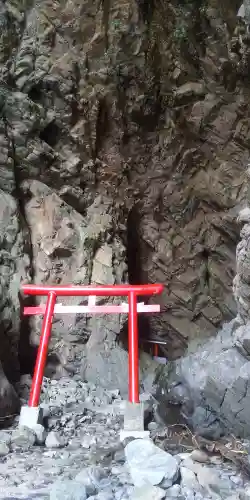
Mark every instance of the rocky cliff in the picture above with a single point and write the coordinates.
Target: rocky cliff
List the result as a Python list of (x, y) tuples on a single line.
[(124, 142), (210, 386)]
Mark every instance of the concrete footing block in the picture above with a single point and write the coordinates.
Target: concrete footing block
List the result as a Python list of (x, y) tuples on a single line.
[(133, 416), (30, 416), (133, 421)]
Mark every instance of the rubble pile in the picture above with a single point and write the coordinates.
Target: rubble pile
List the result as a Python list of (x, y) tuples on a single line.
[(79, 455)]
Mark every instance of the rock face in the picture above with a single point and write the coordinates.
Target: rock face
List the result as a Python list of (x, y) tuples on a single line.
[(212, 385), (70, 248), (124, 138), (14, 267), (242, 278)]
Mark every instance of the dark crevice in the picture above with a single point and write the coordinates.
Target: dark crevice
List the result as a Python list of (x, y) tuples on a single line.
[(101, 125), (146, 8), (206, 275), (134, 247), (105, 19), (26, 352), (51, 134), (35, 94), (75, 111), (135, 275), (143, 331)]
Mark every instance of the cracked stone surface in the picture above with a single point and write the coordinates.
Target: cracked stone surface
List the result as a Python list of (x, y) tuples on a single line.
[(124, 143), (211, 385)]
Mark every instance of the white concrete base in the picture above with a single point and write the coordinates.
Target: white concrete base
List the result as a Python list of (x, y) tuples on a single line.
[(30, 416), (134, 416), (135, 434)]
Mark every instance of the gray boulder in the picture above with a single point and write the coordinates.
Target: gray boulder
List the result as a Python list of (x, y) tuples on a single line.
[(23, 438), (68, 490), (148, 464), (212, 385)]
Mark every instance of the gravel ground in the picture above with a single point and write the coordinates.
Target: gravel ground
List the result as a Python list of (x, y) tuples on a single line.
[(80, 456)]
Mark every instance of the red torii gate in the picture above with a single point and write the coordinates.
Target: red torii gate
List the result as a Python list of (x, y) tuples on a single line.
[(132, 308)]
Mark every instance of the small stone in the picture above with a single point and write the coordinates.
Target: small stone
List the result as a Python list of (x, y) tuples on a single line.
[(103, 495), (244, 215), (215, 460), (193, 466), (119, 456), (67, 489), (4, 443), (152, 426), (200, 496), (40, 433), (50, 454), (188, 479), (88, 441), (54, 440), (4, 449), (148, 492), (237, 480), (247, 493), (211, 481), (120, 493), (90, 477), (187, 493), (23, 438), (113, 393), (174, 491), (190, 88), (5, 437), (45, 409), (105, 483), (199, 456), (183, 456)]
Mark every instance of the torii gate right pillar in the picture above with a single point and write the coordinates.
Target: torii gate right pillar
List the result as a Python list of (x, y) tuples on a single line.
[(134, 410)]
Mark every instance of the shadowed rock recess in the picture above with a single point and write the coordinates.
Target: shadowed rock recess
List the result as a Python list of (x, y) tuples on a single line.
[(124, 143)]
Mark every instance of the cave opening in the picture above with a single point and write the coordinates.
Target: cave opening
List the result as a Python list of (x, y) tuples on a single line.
[(136, 276)]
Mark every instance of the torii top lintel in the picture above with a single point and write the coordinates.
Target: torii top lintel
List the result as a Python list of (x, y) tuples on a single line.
[(106, 290)]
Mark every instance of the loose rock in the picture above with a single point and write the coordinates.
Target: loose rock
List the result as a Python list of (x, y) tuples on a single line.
[(67, 490), (4, 449), (148, 492), (199, 456), (54, 440), (188, 479), (87, 441), (174, 491), (90, 477), (23, 438), (5, 437), (40, 433), (211, 481), (149, 464)]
